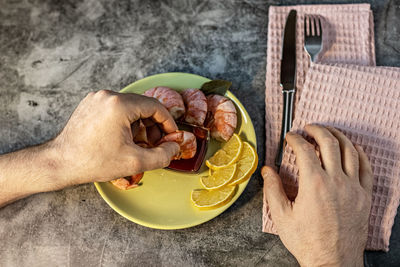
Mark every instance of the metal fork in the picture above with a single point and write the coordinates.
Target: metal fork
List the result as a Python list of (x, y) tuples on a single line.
[(312, 36)]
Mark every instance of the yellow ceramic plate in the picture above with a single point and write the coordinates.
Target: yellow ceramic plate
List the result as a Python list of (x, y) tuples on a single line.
[(163, 200)]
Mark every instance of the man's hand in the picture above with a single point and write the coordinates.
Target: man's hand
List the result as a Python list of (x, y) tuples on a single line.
[(95, 145), (327, 224)]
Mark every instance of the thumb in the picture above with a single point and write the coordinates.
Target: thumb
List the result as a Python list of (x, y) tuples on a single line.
[(158, 157), (170, 149), (276, 197)]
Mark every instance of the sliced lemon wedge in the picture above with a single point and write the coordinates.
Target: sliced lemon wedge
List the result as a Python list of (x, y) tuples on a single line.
[(219, 177), (227, 155), (246, 164), (208, 199)]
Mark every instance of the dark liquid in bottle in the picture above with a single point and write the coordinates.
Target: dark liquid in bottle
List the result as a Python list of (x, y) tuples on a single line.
[(193, 164)]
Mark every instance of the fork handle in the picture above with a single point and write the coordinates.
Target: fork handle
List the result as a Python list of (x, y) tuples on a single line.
[(287, 117)]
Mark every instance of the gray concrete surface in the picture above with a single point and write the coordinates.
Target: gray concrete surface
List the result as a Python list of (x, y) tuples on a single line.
[(53, 52)]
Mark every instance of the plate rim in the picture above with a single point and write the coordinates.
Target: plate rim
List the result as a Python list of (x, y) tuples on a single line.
[(185, 225)]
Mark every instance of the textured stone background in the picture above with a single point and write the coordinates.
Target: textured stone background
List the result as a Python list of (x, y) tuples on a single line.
[(53, 52)]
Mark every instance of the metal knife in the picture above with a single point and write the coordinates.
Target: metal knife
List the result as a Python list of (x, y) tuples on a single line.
[(288, 80)]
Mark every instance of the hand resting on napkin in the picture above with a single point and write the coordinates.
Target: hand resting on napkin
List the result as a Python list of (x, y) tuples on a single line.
[(327, 224)]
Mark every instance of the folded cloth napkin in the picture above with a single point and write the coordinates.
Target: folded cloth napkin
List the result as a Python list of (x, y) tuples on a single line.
[(348, 39), (363, 102)]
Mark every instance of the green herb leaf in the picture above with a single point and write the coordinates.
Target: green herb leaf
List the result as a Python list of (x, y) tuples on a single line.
[(218, 87)]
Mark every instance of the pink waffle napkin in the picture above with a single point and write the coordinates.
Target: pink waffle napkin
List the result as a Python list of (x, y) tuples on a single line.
[(363, 102), (348, 39)]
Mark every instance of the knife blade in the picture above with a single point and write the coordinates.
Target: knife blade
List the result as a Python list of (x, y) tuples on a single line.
[(288, 80)]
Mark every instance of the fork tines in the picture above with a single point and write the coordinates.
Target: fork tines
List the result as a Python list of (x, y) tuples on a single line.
[(312, 36), (312, 26)]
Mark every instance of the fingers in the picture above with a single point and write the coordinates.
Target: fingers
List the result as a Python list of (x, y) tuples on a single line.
[(135, 128), (141, 107), (350, 161), (306, 159), (276, 196), (157, 157), (329, 148), (366, 174)]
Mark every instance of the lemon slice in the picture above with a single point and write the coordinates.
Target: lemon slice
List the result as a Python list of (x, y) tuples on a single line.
[(227, 155), (219, 177), (207, 199), (246, 164)]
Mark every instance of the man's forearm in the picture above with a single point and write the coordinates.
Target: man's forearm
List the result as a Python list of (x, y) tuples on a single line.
[(29, 171)]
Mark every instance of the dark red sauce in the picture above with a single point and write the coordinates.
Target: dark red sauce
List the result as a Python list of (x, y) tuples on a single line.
[(193, 164)]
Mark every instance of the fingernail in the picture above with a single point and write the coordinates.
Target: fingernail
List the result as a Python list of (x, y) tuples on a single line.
[(359, 147), (266, 172)]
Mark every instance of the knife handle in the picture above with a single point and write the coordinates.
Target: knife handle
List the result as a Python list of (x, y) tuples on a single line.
[(287, 117)]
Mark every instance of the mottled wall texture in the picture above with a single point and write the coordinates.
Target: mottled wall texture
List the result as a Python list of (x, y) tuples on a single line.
[(52, 53)]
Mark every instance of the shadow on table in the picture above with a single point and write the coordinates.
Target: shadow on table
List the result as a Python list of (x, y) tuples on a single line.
[(391, 258)]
